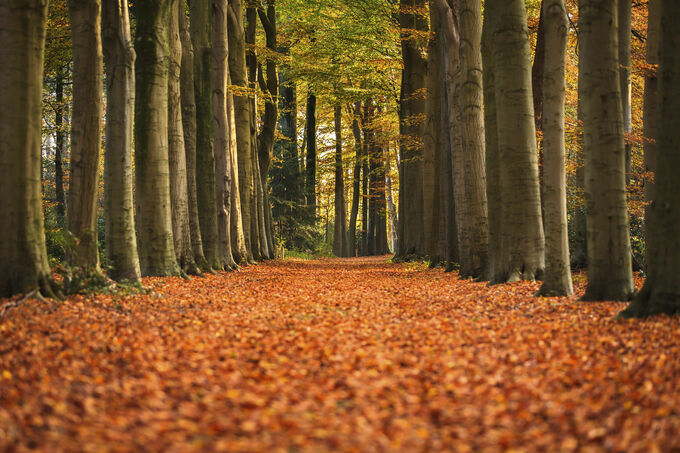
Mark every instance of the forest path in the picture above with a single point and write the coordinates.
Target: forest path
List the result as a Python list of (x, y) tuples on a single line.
[(335, 355)]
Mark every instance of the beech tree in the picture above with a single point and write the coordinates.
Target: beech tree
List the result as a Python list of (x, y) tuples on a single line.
[(119, 56), (152, 173), (557, 280), (661, 291), (85, 18), (23, 266), (610, 274)]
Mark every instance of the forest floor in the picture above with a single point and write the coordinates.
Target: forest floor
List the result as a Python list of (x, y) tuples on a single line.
[(335, 355)]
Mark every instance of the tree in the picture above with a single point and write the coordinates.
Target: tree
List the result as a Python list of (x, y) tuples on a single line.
[(22, 238), (310, 161), (85, 130), (609, 253), (413, 23), (624, 30), (222, 139), (119, 56), (521, 234), (179, 196), (651, 104), (661, 291), (200, 27), (356, 183), (557, 280), (152, 173), (468, 158), (188, 99), (340, 233)]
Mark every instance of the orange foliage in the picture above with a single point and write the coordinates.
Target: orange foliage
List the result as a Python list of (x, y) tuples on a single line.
[(335, 355)]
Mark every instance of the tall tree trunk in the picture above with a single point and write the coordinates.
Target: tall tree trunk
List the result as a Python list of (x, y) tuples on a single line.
[(522, 238), (60, 147), (492, 161), (432, 139), (238, 241), (206, 197), (624, 17), (557, 281), (538, 69), (356, 182), (392, 210), (340, 236), (152, 172), (222, 139), (179, 197), (471, 202), (23, 266), (411, 108), (119, 55), (270, 87), (661, 291), (310, 162), (609, 253), (85, 130), (365, 195), (239, 78), (189, 127), (651, 107)]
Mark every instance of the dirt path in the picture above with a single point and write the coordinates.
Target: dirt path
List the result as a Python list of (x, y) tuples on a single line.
[(336, 355)]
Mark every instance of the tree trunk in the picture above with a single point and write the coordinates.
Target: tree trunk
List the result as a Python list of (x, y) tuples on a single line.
[(152, 173), (661, 291), (538, 69), (238, 241), (340, 236), (392, 210), (471, 203), (609, 253), (119, 55), (23, 266), (651, 117), (522, 236), (411, 109), (557, 281), (222, 139), (310, 162), (189, 127), (206, 197), (356, 183), (624, 17), (239, 78), (60, 148), (179, 198), (363, 249), (492, 161), (85, 130), (432, 140)]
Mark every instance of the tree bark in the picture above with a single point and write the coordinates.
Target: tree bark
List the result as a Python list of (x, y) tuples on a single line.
[(206, 197), (119, 55), (557, 281), (522, 236), (85, 130), (624, 17), (189, 127), (179, 197), (238, 241), (356, 182), (24, 264), (661, 291), (609, 253), (152, 172), (222, 139), (60, 147), (411, 112), (310, 162), (239, 78), (340, 236)]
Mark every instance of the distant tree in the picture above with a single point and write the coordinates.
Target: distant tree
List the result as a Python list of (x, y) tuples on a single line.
[(340, 233)]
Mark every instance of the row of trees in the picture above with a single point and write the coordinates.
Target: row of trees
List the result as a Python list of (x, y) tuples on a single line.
[(477, 166), (201, 154)]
